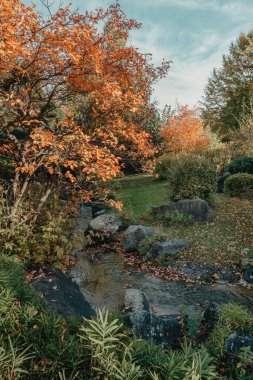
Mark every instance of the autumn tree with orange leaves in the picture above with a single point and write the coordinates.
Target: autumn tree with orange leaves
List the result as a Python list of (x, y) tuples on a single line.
[(185, 133), (69, 96)]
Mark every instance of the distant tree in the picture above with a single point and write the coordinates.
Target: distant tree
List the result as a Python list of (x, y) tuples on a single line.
[(230, 87), (185, 133), (241, 139)]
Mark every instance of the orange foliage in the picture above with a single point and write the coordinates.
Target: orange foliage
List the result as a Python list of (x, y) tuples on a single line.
[(50, 66), (185, 133)]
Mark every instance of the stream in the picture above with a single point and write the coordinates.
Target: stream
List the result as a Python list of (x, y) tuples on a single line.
[(103, 280)]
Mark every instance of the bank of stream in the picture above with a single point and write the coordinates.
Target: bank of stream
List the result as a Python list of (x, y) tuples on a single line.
[(104, 278)]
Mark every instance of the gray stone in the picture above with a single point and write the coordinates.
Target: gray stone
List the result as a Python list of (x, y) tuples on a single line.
[(248, 274), (198, 209), (165, 329), (105, 223), (235, 342), (221, 180), (134, 235), (137, 309), (161, 210), (210, 318), (163, 249), (100, 212), (61, 295)]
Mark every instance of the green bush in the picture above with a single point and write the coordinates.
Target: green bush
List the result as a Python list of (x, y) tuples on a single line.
[(240, 165), (162, 167), (192, 177), (49, 242), (239, 185)]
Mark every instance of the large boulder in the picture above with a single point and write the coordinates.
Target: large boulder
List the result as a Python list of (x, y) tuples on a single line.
[(248, 274), (134, 235), (221, 180), (108, 223), (235, 342), (166, 330), (198, 209), (138, 311), (166, 248), (209, 321), (161, 209), (61, 295)]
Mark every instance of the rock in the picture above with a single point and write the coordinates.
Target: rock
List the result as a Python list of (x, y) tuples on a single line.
[(105, 223), (100, 212), (210, 318), (207, 273), (85, 216), (137, 309), (198, 209), (134, 235), (98, 206), (62, 296), (221, 180), (248, 274), (166, 330), (163, 249), (161, 210), (235, 342)]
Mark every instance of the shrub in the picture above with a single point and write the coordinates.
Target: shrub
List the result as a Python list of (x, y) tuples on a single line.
[(162, 167), (48, 243), (192, 177), (239, 185), (240, 165)]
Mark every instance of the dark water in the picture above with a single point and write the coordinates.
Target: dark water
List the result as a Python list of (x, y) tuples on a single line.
[(104, 279)]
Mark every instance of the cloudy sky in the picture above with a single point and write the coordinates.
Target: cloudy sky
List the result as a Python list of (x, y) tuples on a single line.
[(194, 34)]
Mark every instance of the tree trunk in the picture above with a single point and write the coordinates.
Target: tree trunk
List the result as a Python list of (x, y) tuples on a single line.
[(17, 201), (42, 201)]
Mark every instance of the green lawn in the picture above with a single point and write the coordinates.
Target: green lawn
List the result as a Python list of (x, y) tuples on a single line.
[(226, 240), (140, 192)]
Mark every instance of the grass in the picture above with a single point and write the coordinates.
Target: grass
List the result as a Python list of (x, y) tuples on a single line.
[(140, 192), (225, 241)]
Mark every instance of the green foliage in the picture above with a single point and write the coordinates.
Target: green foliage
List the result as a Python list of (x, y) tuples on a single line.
[(229, 88), (240, 165), (239, 185), (33, 343), (186, 364), (37, 345), (147, 242), (48, 243), (176, 218), (110, 354), (162, 167), (232, 317), (192, 177)]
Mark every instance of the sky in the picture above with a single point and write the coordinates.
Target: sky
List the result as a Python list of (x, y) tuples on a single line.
[(194, 34)]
